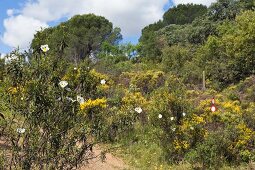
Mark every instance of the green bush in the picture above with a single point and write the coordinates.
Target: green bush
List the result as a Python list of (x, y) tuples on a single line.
[(211, 154), (44, 124)]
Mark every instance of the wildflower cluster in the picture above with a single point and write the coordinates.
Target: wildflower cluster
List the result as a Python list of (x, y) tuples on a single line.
[(93, 103)]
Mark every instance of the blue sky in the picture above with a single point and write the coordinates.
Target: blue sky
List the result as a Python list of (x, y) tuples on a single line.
[(19, 19), (4, 5)]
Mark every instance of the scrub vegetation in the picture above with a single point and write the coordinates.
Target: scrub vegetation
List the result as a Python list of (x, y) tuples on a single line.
[(77, 86)]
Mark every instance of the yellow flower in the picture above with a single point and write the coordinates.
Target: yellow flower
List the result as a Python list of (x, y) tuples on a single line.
[(93, 103), (178, 145), (245, 135), (198, 119), (103, 88), (101, 76), (12, 90), (232, 107), (185, 144), (133, 98)]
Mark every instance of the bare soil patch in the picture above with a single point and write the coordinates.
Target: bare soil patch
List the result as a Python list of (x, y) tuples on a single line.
[(110, 162)]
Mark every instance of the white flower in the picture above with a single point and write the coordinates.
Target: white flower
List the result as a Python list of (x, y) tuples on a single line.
[(103, 81), (138, 109), (80, 99), (173, 129), (75, 68), (183, 114), (191, 128), (63, 84), (213, 108), (45, 48), (160, 116), (70, 99), (21, 130), (172, 118)]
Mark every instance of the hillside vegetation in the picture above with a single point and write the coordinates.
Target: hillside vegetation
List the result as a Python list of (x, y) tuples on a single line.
[(77, 86)]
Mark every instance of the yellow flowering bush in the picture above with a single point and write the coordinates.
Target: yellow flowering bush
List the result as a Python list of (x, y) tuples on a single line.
[(232, 107), (103, 88), (93, 103), (245, 136), (104, 82), (145, 81), (198, 119), (180, 145), (98, 75), (133, 98), (133, 108)]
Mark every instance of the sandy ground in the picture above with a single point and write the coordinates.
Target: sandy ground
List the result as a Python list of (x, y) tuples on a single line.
[(110, 163)]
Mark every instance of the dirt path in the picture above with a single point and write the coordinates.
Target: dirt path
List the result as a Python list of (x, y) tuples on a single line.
[(111, 162)]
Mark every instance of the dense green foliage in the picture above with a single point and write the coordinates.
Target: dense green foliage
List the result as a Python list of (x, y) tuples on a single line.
[(56, 128), (183, 14), (150, 105), (78, 38), (180, 15), (219, 42)]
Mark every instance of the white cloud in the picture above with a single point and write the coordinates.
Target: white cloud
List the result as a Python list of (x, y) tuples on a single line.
[(20, 30), (10, 12), (130, 15), (50, 10), (204, 2)]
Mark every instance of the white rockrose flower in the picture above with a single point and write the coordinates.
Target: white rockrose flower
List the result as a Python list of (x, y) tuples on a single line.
[(103, 81), (45, 48), (21, 130), (63, 84), (138, 109), (80, 99)]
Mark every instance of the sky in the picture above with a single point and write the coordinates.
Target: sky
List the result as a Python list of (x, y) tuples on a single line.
[(20, 19)]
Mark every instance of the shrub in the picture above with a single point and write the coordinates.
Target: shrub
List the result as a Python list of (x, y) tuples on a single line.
[(48, 124)]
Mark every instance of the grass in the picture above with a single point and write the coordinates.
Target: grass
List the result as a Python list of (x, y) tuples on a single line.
[(145, 153)]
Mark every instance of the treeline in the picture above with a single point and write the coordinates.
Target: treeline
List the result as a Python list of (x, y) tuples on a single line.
[(193, 38)]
